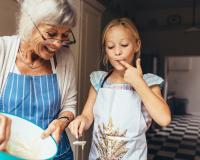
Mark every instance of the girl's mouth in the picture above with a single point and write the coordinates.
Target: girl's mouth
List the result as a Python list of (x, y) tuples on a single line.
[(121, 60)]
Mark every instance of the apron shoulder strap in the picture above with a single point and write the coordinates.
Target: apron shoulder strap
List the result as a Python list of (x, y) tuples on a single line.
[(106, 77), (53, 64)]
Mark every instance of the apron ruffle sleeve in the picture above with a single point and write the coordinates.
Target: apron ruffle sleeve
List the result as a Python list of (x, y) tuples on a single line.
[(96, 79), (152, 79)]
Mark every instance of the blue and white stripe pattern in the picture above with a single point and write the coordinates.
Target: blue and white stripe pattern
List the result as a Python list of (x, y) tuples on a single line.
[(37, 99), (29, 98)]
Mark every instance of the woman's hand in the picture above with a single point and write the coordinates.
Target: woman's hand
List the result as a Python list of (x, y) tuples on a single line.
[(55, 128), (132, 74), (77, 126), (5, 127)]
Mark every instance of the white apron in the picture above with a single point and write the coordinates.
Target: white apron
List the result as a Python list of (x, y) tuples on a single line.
[(119, 126)]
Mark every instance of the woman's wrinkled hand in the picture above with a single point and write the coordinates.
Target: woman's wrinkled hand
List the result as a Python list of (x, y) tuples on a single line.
[(55, 128), (5, 129), (77, 126), (132, 74)]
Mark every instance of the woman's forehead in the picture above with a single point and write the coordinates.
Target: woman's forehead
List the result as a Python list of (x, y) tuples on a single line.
[(54, 27)]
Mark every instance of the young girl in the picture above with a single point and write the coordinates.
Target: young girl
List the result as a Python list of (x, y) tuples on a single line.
[(122, 101)]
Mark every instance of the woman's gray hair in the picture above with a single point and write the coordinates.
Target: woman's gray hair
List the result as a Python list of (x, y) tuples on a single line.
[(56, 12)]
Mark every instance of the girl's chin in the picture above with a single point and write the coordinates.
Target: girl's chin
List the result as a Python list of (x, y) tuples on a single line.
[(119, 68)]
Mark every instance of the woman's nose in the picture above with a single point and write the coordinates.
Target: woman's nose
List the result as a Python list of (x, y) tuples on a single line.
[(57, 43)]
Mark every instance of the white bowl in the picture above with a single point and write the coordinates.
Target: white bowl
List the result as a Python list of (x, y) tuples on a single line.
[(25, 141)]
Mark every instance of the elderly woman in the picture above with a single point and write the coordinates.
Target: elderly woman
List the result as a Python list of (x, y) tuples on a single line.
[(37, 77)]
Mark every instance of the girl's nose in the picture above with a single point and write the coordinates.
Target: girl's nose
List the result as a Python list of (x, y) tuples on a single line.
[(118, 52)]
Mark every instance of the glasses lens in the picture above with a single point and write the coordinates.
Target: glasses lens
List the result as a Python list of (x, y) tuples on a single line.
[(70, 39)]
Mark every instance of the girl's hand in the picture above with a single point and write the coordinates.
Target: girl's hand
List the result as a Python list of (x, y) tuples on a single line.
[(132, 74), (77, 126), (5, 127), (55, 128)]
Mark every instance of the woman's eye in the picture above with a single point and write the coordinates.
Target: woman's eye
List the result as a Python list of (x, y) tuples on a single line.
[(51, 34), (65, 35)]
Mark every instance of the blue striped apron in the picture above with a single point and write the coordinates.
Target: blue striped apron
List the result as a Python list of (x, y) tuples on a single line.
[(35, 98)]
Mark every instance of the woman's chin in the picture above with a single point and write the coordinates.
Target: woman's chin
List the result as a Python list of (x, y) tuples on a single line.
[(46, 55)]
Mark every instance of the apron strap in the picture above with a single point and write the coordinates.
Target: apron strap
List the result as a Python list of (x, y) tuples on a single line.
[(106, 77), (53, 65)]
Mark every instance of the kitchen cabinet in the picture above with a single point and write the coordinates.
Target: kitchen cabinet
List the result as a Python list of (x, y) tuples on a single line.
[(87, 54)]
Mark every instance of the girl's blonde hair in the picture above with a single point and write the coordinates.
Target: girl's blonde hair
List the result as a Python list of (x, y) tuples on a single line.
[(127, 23)]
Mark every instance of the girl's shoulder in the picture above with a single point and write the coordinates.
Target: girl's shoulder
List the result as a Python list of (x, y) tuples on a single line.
[(152, 79), (96, 78)]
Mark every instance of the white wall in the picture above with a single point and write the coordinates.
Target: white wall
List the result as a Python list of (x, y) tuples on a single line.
[(186, 84)]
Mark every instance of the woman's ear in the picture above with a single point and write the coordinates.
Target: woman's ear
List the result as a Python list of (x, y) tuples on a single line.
[(138, 46)]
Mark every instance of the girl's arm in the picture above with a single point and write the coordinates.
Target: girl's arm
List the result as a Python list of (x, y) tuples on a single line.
[(84, 121), (151, 97), (88, 108), (154, 103)]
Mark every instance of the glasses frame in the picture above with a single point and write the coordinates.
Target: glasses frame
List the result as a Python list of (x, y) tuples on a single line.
[(62, 41), (46, 39)]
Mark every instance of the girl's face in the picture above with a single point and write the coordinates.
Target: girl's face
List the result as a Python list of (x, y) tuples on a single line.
[(42, 47), (120, 45)]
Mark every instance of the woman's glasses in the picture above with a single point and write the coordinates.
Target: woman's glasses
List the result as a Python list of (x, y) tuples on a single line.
[(70, 39), (49, 39)]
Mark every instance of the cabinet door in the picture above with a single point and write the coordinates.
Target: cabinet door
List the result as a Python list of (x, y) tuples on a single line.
[(87, 56), (76, 5), (90, 57), (90, 46)]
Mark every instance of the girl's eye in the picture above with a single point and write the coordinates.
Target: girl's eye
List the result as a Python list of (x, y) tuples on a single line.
[(110, 47), (51, 34), (124, 45)]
